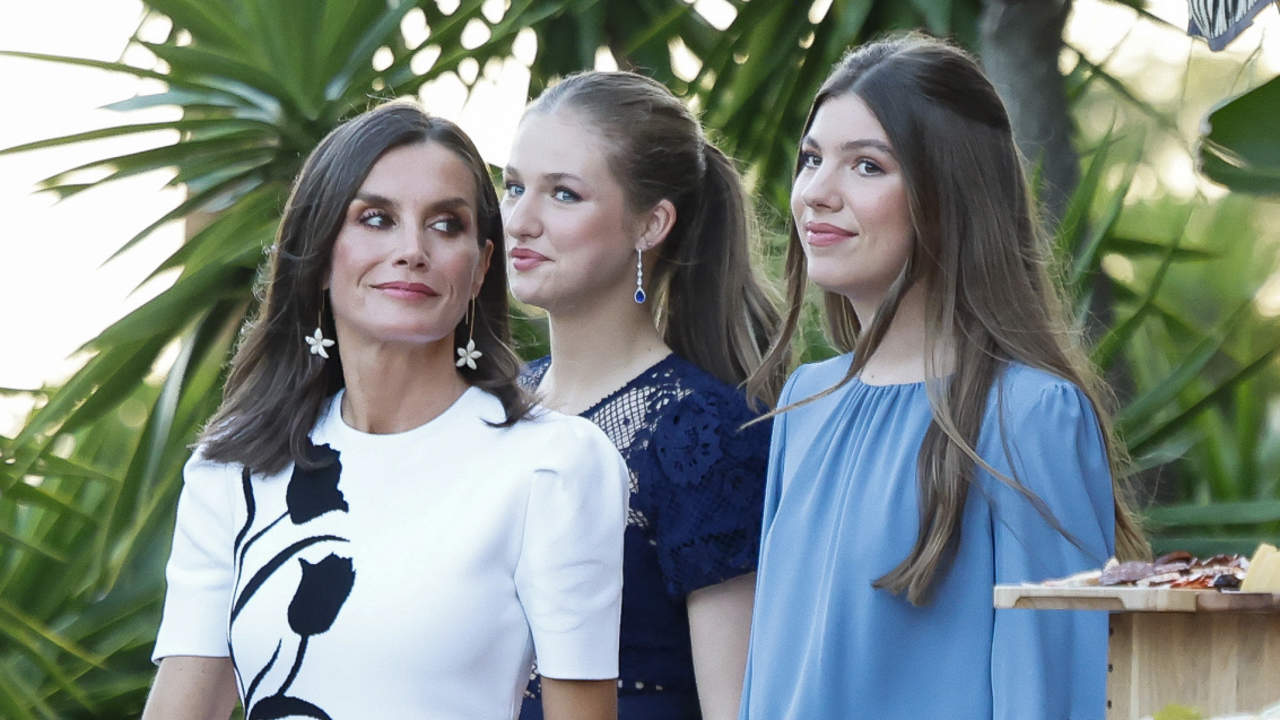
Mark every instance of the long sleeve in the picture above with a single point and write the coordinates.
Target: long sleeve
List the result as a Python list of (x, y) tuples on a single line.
[(1047, 663), (772, 492), (777, 449)]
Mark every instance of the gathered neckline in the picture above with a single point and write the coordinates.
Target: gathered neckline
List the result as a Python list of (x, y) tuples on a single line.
[(888, 386)]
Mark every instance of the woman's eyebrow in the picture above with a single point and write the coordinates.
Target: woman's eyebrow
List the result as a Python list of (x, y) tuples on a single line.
[(370, 198), (852, 145), (452, 203), (880, 145)]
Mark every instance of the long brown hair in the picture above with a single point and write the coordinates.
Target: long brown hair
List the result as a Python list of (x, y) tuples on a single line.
[(276, 388), (710, 307), (984, 262)]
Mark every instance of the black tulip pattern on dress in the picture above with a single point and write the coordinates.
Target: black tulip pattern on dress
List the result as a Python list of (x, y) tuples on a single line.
[(280, 706), (323, 588), (312, 493), (321, 592)]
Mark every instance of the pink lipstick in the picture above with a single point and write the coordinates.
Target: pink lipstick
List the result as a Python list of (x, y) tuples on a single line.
[(825, 234), (525, 259), (407, 290)]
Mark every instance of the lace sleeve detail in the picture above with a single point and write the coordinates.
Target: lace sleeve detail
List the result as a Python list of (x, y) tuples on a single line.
[(531, 374), (707, 524)]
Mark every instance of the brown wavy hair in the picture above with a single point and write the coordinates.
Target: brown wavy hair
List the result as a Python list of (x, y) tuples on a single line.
[(709, 305), (276, 389), (985, 264)]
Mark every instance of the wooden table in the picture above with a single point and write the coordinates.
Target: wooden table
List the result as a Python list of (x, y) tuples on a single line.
[(1218, 652)]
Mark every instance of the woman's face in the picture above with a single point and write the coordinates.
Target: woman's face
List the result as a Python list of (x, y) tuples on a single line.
[(849, 203), (571, 237), (406, 261)]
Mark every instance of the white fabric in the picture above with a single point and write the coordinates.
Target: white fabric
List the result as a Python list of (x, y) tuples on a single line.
[(471, 546)]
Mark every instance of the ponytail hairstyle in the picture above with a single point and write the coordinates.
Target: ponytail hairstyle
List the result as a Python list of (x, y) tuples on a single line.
[(984, 262), (709, 305), (276, 389)]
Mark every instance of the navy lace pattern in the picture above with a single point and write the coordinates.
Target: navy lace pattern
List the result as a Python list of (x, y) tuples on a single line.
[(697, 484)]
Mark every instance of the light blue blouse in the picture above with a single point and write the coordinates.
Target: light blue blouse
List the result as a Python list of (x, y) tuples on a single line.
[(840, 511)]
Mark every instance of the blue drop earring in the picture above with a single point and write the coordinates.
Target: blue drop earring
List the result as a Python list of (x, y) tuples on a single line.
[(639, 296)]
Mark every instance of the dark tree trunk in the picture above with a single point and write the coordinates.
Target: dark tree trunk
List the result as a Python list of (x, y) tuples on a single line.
[(1021, 40)]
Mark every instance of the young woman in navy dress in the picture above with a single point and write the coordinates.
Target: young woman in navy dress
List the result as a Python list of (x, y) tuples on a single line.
[(629, 227)]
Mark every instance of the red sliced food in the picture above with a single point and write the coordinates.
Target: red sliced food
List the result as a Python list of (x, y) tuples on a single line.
[(1181, 556)]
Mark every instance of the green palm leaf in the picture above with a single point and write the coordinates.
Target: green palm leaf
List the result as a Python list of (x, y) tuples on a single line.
[(1240, 150)]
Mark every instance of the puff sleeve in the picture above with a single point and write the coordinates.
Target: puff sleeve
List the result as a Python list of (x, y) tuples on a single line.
[(200, 568), (707, 527), (1050, 663), (569, 575)]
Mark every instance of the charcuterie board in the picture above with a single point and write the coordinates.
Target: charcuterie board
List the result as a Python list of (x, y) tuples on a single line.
[(1132, 599)]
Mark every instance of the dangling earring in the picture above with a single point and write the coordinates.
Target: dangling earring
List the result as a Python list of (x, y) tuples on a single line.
[(639, 277), (469, 354), (317, 342)]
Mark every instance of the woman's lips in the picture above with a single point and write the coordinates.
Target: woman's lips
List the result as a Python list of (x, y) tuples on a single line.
[(407, 290), (525, 259), (824, 234)]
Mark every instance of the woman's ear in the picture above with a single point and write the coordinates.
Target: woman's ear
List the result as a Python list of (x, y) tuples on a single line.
[(486, 254), (657, 224)]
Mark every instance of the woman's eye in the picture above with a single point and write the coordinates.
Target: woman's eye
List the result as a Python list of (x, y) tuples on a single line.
[(514, 189), (809, 160), (375, 219), (867, 167), (447, 225), (564, 194)]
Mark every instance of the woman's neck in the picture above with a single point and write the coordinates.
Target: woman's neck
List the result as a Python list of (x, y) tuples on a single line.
[(393, 388), (900, 356), (597, 350)]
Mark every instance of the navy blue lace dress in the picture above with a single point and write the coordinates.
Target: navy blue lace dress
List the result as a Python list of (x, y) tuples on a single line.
[(697, 483)]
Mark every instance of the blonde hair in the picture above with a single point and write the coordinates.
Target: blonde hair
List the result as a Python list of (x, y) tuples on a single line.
[(709, 305)]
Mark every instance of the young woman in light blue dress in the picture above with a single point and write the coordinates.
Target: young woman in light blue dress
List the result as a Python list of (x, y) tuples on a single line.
[(959, 443)]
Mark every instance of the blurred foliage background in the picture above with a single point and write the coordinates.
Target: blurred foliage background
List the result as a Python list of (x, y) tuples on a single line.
[(1176, 286)]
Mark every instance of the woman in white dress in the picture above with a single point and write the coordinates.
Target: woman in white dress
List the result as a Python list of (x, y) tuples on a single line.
[(377, 522)]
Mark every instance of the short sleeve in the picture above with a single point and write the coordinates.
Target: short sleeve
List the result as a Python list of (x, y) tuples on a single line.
[(707, 525), (569, 576), (1050, 658), (199, 573)]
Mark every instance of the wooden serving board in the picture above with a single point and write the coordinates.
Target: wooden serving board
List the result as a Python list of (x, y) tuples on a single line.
[(1132, 599), (1216, 651)]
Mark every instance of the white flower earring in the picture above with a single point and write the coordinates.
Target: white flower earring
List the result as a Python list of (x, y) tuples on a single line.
[(639, 296), (317, 342), (469, 355)]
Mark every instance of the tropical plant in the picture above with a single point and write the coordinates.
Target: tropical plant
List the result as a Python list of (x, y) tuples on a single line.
[(1240, 149), (1200, 333), (87, 488), (1203, 361), (1233, 446)]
